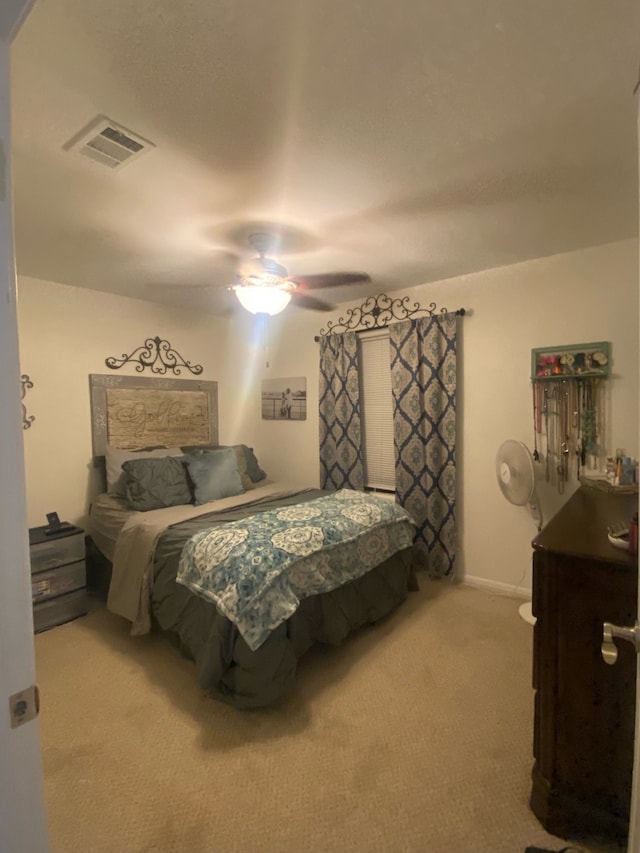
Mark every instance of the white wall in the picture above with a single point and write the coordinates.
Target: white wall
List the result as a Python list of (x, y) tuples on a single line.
[(565, 299), (287, 450), (65, 334), (578, 297)]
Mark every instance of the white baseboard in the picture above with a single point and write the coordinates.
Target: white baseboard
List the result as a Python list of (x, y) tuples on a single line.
[(496, 586)]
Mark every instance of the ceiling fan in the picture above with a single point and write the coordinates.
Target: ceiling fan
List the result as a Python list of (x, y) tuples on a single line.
[(264, 286)]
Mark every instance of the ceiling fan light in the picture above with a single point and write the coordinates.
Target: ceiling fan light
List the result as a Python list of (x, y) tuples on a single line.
[(259, 299)]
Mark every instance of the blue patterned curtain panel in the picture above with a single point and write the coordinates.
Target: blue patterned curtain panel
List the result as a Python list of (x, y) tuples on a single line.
[(341, 463), (423, 380)]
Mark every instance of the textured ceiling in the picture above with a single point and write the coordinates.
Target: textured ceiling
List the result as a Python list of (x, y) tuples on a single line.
[(414, 139)]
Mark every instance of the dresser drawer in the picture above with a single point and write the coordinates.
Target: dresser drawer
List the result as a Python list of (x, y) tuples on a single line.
[(56, 611), (56, 552), (58, 581)]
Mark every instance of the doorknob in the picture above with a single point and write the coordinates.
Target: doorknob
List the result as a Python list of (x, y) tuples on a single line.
[(609, 631)]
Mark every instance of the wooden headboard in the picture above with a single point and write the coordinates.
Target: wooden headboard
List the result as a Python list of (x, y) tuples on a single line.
[(130, 412)]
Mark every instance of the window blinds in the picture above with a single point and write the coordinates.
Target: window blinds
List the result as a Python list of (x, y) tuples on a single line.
[(377, 410)]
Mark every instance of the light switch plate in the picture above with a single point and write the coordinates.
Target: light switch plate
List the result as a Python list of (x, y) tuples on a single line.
[(24, 706)]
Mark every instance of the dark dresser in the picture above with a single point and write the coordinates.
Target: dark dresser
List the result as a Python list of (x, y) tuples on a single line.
[(584, 708)]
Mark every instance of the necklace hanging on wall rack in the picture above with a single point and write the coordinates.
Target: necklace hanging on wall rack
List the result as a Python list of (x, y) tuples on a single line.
[(590, 418), (536, 410), (547, 465), (564, 439), (569, 407), (569, 423)]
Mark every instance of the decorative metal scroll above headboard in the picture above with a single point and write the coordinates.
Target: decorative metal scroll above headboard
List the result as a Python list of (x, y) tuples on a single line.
[(158, 356), (376, 312)]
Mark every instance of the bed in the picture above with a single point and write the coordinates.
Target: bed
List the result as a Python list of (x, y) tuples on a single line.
[(205, 571)]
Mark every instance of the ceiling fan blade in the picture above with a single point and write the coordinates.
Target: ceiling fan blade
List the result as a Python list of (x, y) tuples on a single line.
[(304, 300), (330, 279)]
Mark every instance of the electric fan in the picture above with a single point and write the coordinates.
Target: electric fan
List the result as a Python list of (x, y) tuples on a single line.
[(517, 481), (516, 476)]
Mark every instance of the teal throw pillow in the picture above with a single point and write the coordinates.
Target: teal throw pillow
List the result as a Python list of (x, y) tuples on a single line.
[(250, 471), (214, 474)]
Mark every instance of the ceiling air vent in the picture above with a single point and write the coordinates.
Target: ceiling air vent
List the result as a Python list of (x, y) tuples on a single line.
[(108, 143)]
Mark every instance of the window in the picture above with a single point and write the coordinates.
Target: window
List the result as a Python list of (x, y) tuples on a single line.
[(376, 403)]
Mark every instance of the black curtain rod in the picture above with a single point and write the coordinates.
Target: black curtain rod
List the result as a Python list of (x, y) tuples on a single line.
[(459, 313)]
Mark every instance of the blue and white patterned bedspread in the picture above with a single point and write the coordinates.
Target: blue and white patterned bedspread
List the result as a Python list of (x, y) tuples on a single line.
[(257, 569)]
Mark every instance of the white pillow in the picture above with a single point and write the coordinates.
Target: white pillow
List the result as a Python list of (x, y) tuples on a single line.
[(115, 458)]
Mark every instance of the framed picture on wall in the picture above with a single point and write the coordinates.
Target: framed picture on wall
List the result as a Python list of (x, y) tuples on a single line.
[(284, 399), (570, 362)]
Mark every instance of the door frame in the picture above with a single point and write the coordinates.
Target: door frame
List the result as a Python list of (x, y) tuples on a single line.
[(23, 821)]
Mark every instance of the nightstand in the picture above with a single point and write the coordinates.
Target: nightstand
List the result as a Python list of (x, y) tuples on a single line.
[(58, 576)]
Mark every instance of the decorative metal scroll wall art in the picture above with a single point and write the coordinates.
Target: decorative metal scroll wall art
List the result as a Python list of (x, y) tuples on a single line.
[(158, 356), (376, 312), (568, 385), (25, 383)]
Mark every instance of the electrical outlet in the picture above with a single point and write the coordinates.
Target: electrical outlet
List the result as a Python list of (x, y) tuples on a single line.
[(24, 706)]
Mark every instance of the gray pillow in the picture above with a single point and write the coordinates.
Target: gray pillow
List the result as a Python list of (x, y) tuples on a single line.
[(114, 458), (214, 474), (254, 471), (156, 483), (247, 482)]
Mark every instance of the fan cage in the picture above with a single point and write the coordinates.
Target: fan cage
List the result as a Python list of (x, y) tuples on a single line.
[(515, 472)]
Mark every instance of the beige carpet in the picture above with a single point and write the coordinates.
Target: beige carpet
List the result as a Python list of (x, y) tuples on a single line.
[(415, 736)]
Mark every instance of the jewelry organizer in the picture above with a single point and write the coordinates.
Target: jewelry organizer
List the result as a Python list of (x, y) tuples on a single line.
[(569, 402)]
